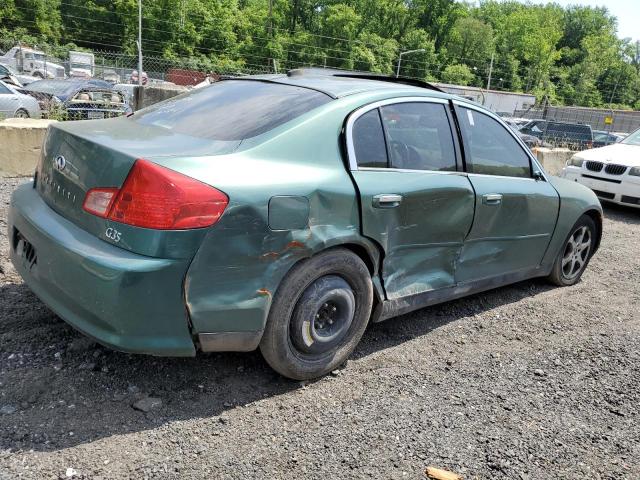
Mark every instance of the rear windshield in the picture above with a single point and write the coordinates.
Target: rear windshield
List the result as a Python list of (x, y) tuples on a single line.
[(232, 109)]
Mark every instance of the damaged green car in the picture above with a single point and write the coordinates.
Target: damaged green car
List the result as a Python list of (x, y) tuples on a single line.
[(286, 212)]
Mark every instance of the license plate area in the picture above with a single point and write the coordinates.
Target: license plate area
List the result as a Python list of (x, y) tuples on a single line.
[(94, 115), (24, 250)]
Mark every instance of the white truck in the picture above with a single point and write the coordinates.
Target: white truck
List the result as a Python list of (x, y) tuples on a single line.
[(33, 62), (81, 64)]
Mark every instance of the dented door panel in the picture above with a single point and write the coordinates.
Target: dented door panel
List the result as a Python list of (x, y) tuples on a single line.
[(422, 236), (509, 233)]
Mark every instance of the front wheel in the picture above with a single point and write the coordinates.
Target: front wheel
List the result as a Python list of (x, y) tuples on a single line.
[(318, 315), (575, 253), (21, 113)]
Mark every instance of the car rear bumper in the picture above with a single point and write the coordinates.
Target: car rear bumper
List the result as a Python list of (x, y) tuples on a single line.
[(620, 189), (123, 300)]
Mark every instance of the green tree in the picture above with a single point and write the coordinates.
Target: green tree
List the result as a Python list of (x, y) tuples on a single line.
[(470, 41), (458, 74)]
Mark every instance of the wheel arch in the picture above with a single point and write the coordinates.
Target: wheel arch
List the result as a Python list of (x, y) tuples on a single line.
[(596, 216)]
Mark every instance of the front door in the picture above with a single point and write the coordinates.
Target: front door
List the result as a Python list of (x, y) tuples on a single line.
[(415, 202), (516, 209)]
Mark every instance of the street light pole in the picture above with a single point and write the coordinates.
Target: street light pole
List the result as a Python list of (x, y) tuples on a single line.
[(405, 53), (140, 42)]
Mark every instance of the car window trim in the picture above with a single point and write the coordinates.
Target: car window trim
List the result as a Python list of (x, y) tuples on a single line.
[(533, 161), (353, 116)]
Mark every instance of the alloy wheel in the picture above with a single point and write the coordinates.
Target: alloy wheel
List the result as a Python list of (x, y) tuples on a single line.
[(576, 253)]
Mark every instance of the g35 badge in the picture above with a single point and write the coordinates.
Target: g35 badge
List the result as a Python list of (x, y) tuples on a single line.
[(113, 234)]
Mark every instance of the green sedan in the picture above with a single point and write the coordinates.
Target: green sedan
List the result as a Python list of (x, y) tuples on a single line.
[(286, 212)]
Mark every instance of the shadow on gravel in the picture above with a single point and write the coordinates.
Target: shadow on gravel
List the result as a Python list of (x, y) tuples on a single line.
[(66, 390), (621, 213)]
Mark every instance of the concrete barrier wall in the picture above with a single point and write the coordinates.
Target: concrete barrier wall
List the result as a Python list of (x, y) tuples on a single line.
[(20, 145), (146, 96), (553, 160)]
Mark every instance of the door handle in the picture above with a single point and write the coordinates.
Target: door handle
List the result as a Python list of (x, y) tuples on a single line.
[(386, 200), (492, 199)]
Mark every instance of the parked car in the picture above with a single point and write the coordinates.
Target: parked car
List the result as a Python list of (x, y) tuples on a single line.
[(517, 122), (79, 99), (602, 138), (128, 90), (19, 79), (15, 104), (577, 136), (529, 140), (286, 212), (612, 172)]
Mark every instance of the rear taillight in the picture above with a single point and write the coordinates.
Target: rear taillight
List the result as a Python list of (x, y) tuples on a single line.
[(156, 197)]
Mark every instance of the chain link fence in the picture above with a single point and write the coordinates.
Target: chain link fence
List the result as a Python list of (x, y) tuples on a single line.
[(553, 126)]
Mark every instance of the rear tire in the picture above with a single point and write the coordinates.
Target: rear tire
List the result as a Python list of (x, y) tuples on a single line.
[(575, 253), (21, 113), (318, 315)]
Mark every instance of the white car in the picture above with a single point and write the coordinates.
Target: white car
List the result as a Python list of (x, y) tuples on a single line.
[(612, 172), (16, 104)]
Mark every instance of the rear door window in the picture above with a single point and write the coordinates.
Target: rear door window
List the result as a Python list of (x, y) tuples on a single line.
[(232, 110), (490, 148), (368, 141), (419, 136)]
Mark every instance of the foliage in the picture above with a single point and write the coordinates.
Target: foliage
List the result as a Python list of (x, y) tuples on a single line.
[(457, 74), (568, 55)]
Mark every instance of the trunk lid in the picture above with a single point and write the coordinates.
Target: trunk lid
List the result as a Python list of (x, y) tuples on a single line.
[(78, 156)]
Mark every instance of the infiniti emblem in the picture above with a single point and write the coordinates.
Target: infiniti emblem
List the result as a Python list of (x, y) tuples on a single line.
[(60, 162)]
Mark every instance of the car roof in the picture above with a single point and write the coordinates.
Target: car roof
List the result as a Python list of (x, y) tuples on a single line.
[(65, 88), (339, 83)]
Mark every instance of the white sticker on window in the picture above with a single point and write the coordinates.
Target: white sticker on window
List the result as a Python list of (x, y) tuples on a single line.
[(470, 116)]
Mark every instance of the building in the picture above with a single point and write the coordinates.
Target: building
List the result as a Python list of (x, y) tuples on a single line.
[(498, 101)]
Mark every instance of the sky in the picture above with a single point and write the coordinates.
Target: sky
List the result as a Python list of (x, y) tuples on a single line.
[(627, 11)]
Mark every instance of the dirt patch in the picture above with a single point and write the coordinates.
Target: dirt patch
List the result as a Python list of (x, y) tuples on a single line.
[(524, 382)]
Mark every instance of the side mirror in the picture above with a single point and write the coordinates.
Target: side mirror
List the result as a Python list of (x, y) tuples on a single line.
[(537, 175)]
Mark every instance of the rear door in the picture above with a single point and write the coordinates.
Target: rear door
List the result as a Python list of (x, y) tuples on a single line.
[(415, 202), (516, 208)]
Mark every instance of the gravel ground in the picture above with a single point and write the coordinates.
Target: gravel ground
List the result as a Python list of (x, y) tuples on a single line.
[(527, 382)]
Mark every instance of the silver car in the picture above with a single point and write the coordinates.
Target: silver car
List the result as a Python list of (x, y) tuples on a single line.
[(16, 104), (7, 70)]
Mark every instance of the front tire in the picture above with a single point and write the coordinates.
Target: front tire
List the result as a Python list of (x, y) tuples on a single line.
[(318, 315), (575, 253), (21, 113)]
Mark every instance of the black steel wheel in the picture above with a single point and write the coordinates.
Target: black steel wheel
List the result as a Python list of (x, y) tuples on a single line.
[(318, 315)]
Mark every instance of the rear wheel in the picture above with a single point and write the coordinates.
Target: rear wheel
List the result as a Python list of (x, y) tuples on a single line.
[(575, 254), (318, 315), (21, 113)]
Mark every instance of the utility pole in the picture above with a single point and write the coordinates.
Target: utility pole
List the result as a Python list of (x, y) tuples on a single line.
[(490, 72), (140, 43), (405, 53)]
